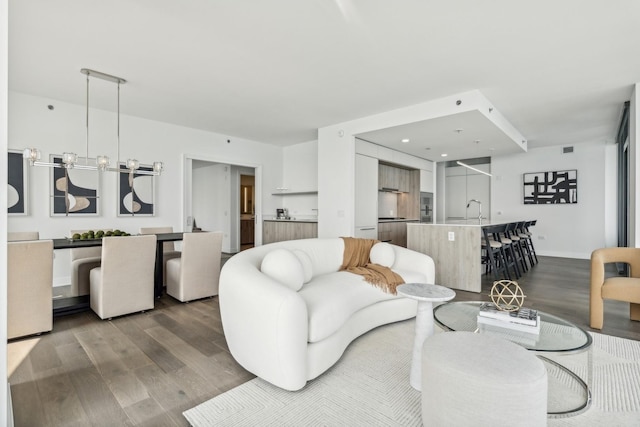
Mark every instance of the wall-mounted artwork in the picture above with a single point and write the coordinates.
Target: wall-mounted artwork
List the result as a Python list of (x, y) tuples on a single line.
[(556, 187), (136, 193), (74, 192), (17, 180)]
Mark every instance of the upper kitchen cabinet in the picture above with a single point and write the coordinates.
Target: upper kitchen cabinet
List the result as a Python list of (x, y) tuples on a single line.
[(366, 196), (394, 178)]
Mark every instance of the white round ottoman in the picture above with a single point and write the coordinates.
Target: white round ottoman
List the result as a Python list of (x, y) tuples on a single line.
[(481, 380)]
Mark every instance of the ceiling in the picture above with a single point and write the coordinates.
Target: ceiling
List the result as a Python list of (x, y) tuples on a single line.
[(276, 71)]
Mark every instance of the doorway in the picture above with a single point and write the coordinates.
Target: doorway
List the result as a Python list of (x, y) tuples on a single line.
[(214, 200)]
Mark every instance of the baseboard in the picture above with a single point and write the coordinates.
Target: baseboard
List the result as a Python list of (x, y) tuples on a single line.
[(576, 255)]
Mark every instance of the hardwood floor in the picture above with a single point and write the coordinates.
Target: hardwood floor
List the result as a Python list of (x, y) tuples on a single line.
[(146, 369)]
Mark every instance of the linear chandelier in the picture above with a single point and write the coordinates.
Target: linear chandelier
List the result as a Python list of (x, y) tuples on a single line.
[(472, 168), (71, 160)]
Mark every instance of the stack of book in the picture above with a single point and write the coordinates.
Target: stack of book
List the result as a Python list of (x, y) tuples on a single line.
[(522, 320)]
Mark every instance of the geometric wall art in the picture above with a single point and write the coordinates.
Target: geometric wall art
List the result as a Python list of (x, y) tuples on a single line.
[(555, 187), (74, 192), (136, 192), (17, 190)]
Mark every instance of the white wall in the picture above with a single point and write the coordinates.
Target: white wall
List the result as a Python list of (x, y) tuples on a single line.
[(574, 230), (300, 173), (32, 124), (5, 412), (634, 172)]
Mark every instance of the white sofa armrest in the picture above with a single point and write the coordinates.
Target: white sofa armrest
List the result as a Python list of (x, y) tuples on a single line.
[(265, 323), (406, 259)]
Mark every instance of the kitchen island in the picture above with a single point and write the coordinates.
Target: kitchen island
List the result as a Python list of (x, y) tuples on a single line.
[(456, 248)]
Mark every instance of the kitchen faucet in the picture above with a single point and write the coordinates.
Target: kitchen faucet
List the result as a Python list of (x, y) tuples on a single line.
[(479, 207)]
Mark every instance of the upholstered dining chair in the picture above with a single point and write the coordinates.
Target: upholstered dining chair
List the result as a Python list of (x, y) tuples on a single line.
[(123, 284), (615, 288), (168, 248), (29, 288), (83, 260), (18, 236), (197, 273)]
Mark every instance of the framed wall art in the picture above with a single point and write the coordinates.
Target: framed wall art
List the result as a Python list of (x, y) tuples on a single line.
[(18, 184), (74, 192), (555, 187), (135, 192)]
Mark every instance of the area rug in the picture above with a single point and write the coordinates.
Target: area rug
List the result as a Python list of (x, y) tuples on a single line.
[(369, 386)]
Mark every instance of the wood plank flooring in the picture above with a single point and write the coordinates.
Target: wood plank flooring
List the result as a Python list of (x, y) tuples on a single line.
[(146, 369)]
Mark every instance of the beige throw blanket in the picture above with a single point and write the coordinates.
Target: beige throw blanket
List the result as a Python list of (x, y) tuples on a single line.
[(356, 260)]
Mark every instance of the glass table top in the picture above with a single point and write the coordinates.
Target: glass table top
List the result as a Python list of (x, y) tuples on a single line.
[(556, 334)]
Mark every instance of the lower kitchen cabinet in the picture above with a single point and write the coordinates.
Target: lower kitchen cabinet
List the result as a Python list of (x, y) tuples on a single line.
[(278, 231), (393, 232)]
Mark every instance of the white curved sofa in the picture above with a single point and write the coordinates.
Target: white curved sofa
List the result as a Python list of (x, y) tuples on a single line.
[(287, 336)]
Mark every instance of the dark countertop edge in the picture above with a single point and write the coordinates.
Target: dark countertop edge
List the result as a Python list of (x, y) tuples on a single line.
[(398, 220), (314, 221)]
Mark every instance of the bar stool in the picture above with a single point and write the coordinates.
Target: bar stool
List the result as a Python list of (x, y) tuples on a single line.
[(495, 259), (525, 240), (513, 234), (530, 239), (508, 247)]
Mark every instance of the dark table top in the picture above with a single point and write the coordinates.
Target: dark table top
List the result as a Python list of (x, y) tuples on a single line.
[(66, 243)]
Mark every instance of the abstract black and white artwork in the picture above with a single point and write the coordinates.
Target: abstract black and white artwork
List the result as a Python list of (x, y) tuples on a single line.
[(17, 184), (556, 187), (74, 192), (135, 193)]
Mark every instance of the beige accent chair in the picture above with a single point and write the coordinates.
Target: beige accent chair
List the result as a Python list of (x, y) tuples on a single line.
[(29, 288), (616, 288), (168, 248), (197, 273), (18, 236), (123, 284), (83, 260)]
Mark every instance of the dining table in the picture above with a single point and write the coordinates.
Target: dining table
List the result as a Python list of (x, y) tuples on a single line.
[(75, 304)]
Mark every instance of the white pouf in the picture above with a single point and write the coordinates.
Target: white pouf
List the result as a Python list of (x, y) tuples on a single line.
[(481, 380)]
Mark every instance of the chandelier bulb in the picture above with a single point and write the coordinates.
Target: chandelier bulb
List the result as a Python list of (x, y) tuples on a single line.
[(133, 164)]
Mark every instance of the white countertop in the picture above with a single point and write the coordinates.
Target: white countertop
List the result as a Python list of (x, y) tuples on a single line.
[(472, 222)]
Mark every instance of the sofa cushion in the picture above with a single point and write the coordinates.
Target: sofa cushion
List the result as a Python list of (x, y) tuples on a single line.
[(307, 265), (382, 253), (333, 298), (283, 266)]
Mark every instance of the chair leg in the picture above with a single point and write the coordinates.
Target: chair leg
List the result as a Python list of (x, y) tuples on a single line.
[(634, 312), (596, 312)]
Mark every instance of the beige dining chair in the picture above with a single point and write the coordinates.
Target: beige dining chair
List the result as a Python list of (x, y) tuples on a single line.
[(29, 288), (83, 260), (17, 236), (168, 248), (197, 273), (123, 284)]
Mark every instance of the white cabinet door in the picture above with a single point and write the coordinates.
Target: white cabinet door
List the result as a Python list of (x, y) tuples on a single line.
[(426, 181), (366, 189), (367, 232)]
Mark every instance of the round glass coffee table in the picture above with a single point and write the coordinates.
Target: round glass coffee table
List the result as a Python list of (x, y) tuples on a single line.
[(568, 393)]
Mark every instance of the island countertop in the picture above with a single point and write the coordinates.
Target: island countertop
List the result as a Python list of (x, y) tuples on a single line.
[(472, 222)]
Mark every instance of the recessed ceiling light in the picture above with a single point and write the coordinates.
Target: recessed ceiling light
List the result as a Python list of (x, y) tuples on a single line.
[(427, 148), (405, 140), (444, 155)]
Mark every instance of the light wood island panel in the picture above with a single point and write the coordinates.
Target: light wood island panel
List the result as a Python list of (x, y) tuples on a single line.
[(458, 263), (278, 231)]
